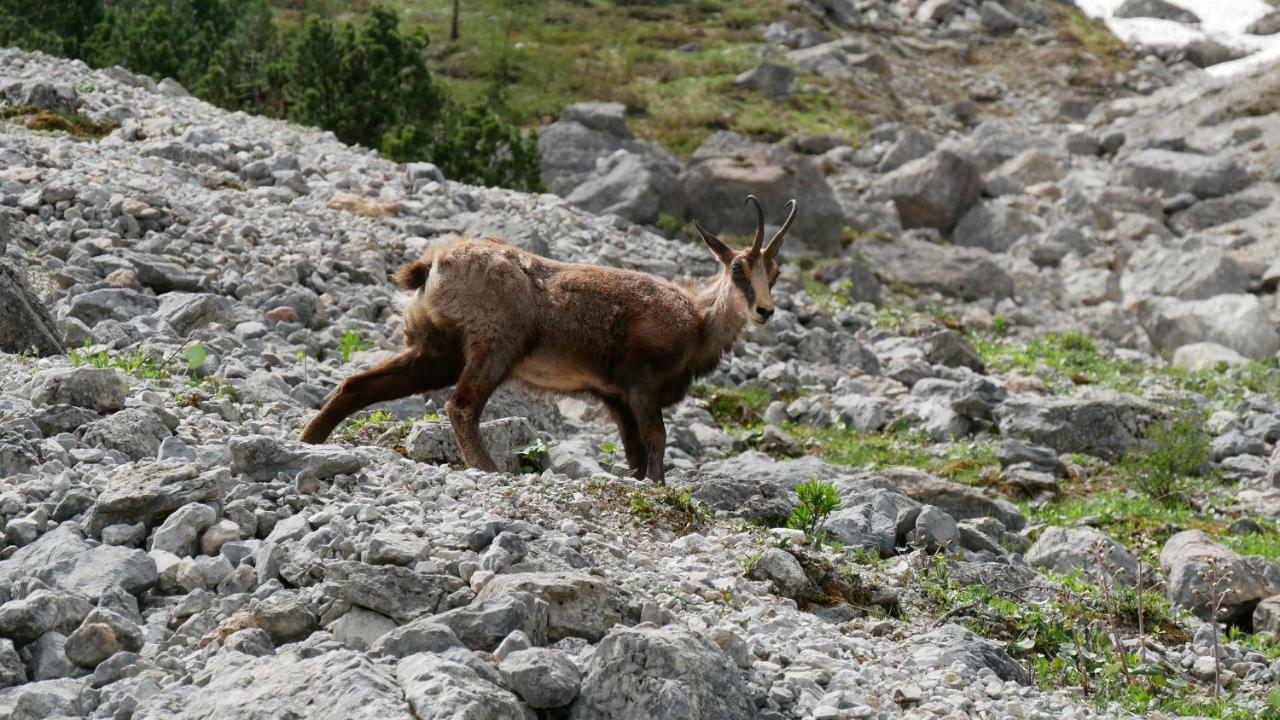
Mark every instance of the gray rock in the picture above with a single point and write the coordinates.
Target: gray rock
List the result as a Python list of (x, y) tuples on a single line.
[(574, 459), (423, 635), (1186, 561), (728, 167), (542, 677), (359, 628), (1015, 175), (579, 605), (1155, 9), (1239, 322), (62, 558), (399, 593), (253, 641), (961, 502), (12, 671), (44, 700), (1067, 549), (1204, 52), (1219, 211), (935, 530), (911, 144), (98, 389), (863, 526), (335, 685), (136, 432), (665, 672), (951, 644), (586, 132), (640, 187), (434, 442), (995, 225), (262, 458), (180, 530), (117, 304), (484, 623), (284, 617), (996, 19), (147, 492), (783, 570), (934, 191), (965, 273), (1266, 616), (769, 78), (441, 689), (1268, 24), (1173, 173), (1194, 275), (17, 455), (1105, 425), (25, 323), (49, 659)]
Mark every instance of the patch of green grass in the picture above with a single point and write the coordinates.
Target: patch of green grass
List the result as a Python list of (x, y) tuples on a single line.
[(671, 63), (74, 124), (897, 445), (664, 506), (138, 363), (737, 407), (1059, 359), (1092, 37)]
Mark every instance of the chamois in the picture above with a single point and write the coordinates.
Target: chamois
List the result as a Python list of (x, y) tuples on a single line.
[(484, 312)]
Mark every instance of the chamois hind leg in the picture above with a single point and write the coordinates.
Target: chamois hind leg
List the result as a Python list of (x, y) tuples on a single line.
[(653, 431), (412, 371), (629, 431), (488, 364)]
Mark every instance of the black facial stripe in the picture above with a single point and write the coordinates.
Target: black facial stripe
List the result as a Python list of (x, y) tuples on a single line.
[(744, 284)]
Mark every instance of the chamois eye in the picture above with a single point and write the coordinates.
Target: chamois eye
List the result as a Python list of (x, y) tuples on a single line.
[(739, 268)]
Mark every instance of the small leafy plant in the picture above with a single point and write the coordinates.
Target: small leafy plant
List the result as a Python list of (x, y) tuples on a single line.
[(533, 457), (351, 343), (817, 500)]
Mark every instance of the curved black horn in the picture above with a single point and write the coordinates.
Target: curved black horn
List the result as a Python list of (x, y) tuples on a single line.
[(776, 241), (755, 246)]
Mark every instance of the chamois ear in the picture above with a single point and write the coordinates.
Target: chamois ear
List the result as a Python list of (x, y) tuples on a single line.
[(722, 252)]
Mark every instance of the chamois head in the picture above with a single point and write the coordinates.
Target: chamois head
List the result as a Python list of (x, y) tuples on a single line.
[(753, 271)]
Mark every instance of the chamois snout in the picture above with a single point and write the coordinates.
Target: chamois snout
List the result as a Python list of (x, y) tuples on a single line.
[(764, 313)]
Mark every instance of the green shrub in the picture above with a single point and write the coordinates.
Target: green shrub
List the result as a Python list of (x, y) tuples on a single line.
[(1177, 447), (817, 500)]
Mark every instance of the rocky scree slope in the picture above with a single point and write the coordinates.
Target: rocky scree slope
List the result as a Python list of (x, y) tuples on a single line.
[(170, 551)]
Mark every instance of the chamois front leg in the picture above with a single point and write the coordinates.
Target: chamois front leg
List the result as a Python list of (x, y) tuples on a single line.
[(653, 432), (629, 430), (405, 374)]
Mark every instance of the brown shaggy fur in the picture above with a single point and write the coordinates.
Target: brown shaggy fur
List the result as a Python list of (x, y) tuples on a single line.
[(485, 312)]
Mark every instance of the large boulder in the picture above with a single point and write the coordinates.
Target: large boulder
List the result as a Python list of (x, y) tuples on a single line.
[(995, 225), (1189, 561), (667, 672), (485, 623), (590, 157), (336, 685), (439, 688), (959, 272), (1239, 322), (148, 492), (728, 167), (1268, 24), (1161, 9), (1193, 275), (63, 559), (579, 605), (640, 187), (1105, 424), (98, 389), (934, 191), (25, 323), (394, 591), (1172, 173), (952, 644), (1066, 549), (961, 502)]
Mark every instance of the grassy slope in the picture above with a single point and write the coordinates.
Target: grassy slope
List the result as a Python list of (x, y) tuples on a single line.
[(672, 64)]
